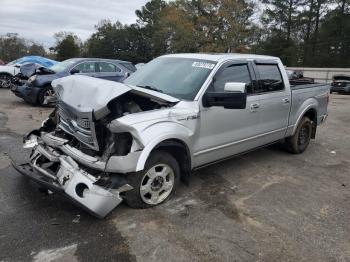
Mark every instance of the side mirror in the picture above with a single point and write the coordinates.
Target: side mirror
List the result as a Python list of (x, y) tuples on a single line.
[(74, 71), (17, 65), (233, 97)]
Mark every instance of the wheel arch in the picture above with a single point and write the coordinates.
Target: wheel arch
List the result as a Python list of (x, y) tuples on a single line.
[(311, 113), (178, 148)]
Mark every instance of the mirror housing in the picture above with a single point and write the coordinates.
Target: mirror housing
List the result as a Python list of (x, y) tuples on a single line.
[(74, 71), (235, 87), (234, 97)]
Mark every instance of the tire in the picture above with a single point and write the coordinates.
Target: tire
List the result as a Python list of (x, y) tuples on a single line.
[(150, 185), (5, 81), (43, 93), (298, 143)]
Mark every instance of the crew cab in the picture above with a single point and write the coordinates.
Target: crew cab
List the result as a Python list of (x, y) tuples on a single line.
[(134, 141)]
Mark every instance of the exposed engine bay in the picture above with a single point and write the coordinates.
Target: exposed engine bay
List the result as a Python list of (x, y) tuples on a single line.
[(76, 154)]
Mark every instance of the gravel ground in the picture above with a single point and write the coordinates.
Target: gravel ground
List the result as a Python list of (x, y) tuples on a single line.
[(267, 205)]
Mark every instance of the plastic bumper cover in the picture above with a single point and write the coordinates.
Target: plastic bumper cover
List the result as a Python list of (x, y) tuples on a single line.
[(73, 182)]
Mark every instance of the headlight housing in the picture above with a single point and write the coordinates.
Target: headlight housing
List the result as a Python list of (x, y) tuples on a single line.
[(32, 79)]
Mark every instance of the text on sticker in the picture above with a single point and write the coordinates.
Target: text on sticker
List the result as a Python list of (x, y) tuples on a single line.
[(203, 65)]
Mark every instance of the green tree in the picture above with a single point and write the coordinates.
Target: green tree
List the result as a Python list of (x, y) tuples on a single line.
[(12, 47), (68, 45)]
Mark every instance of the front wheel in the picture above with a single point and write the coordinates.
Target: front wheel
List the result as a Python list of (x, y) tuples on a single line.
[(44, 95), (156, 183), (298, 143), (5, 81)]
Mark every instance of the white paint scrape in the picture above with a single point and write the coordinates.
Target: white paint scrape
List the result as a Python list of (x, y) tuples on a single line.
[(57, 254)]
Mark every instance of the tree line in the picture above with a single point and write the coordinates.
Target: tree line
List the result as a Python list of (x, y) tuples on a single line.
[(314, 33)]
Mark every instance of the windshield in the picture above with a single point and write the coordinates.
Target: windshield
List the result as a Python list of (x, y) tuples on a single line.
[(179, 77), (62, 66)]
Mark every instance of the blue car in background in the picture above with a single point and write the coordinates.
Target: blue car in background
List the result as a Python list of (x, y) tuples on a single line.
[(37, 90), (13, 68)]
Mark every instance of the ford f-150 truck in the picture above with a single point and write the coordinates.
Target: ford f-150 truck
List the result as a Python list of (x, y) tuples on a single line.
[(134, 141)]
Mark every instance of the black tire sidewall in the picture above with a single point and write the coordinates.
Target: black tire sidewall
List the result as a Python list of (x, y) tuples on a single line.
[(293, 145), (133, 197)]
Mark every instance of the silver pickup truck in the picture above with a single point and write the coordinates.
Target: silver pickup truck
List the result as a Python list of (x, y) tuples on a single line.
[(134, 141)]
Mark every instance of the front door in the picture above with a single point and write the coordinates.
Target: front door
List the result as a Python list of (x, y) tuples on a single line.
[(225, 132)]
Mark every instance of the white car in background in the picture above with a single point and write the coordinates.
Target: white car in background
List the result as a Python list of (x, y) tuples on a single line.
[(13, 68)]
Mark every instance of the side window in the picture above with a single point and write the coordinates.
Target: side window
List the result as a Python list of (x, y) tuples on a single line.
[(270, 78), (107, 67), (86, 67), (233, 73)]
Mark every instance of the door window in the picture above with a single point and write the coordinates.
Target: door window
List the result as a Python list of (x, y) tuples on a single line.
[(270, 78), (107, 67), (86, 67), (232, 73)]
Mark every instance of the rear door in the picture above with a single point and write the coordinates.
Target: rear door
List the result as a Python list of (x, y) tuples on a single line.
[(110, 71), (274, 100)]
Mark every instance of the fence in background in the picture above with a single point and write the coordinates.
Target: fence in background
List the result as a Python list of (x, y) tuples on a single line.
[(322, 75)]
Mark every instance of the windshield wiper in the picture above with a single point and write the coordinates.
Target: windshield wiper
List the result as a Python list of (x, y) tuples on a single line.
[(151, 88)]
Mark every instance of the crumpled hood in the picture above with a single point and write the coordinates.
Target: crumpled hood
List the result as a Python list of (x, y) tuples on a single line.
[(86, 94), (27, 70)]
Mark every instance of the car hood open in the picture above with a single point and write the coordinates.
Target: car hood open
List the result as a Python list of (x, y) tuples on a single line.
[(86, 94)]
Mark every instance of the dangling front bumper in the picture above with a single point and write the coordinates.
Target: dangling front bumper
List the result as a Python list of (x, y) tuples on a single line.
[(70, 180)]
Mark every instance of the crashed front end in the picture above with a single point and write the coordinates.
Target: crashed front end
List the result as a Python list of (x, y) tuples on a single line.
[(75, 154), (58, 165)]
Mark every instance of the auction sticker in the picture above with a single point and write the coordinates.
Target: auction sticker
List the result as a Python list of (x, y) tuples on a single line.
[(203, 65)]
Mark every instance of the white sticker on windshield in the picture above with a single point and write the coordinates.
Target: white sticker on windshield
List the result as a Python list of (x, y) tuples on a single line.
[(203, 65)]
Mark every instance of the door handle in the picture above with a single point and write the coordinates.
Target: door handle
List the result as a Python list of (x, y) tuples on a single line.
[(254, 107), (286, 100)]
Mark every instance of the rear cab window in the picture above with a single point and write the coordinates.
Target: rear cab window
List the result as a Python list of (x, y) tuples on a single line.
[(270, 78)]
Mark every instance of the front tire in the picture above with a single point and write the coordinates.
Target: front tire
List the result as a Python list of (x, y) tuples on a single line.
[(298, 143), (156, 183), (46, 92), (5, 81)]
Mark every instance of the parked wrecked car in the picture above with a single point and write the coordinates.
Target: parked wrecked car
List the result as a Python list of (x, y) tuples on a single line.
[(13, 68), (133, 141), (38, 88), (341, 84)]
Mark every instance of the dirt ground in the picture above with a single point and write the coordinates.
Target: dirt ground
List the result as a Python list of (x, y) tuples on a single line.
[(267, 205)]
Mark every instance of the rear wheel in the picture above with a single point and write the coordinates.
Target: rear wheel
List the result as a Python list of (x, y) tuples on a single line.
[(297, 143), (156, 183), (5, 81), (44, 94)]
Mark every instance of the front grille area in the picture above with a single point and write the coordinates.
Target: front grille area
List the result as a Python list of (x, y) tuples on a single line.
[(79, 125)]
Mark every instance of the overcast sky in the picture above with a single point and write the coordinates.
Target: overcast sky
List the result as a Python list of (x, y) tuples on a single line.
[(38, 20)]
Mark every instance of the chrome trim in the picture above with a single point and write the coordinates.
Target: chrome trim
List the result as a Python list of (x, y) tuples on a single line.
[(236, 142)]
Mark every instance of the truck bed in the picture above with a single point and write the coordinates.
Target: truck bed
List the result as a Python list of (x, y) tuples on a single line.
[(306, 95)]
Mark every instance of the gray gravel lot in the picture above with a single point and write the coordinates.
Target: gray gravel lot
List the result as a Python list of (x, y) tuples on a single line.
[(267, 205)]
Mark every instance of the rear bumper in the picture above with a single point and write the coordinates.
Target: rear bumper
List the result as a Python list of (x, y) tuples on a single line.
[(71, 181)]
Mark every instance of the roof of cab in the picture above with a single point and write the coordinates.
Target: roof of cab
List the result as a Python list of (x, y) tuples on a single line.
[(221, 56)]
